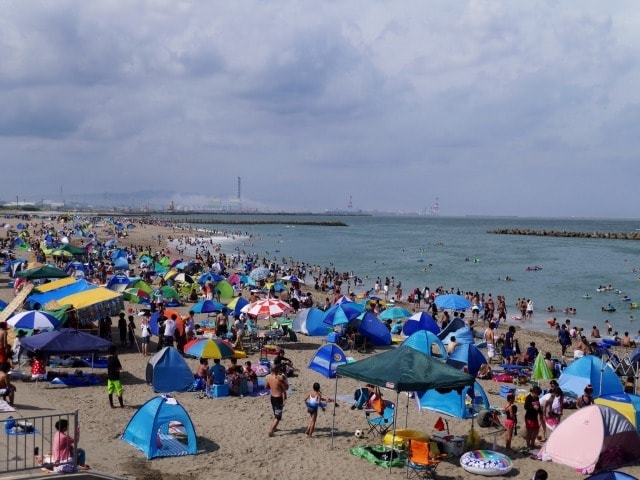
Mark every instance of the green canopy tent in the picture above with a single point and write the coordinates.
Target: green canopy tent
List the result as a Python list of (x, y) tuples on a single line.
[(44, 271), (404, 370)]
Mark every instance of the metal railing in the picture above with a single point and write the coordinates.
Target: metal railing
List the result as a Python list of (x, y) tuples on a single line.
[(29, 441)]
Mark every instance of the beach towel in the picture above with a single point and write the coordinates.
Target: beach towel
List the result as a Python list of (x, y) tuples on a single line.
[(77, 380), (5, 407), (19, 427), (380, 455)]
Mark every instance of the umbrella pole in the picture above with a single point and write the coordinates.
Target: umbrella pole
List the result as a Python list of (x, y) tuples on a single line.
[(333, 422), (395, 426)]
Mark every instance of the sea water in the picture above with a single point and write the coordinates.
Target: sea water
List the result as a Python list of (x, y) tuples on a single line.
[(460, 253)]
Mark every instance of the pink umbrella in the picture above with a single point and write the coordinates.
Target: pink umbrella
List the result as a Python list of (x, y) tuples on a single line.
[(270, 307)]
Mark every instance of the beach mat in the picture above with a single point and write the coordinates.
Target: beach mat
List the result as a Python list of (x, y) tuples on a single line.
[(5, 407), (77, 380), (171, 447), (380, 455)]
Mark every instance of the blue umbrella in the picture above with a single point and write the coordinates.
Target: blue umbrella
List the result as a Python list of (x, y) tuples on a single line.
[(208, 306), (420, 321), (340, 314), (452, 302), (260, 273), (34, 319)]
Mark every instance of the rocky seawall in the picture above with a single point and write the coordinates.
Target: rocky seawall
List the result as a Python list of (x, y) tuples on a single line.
[(568, 234)]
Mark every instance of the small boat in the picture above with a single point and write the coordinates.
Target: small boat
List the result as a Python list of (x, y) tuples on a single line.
[(609, 308), (586, 296)]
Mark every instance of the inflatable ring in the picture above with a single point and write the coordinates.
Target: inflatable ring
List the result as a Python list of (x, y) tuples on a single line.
[(486, 462), (402, 436)]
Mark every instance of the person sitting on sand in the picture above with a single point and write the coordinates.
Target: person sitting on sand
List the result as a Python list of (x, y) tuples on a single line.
[(252, 377), (626, 341), (38, 366), (62, 449), (595, 332), (216, 374)]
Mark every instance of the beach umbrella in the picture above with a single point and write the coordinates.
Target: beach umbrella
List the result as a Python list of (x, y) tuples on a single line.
[(277, 287), (270, 307), (136, 295), (341, 314), (217, 267), (237, 304), (208, 348), (394, 313), (208, 306), (452, 302), (34, 319), (420, 321), (541, 370), (292, 279), (260, 273)]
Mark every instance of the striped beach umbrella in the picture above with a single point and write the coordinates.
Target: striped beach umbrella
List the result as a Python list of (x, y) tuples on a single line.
[(208, 348)]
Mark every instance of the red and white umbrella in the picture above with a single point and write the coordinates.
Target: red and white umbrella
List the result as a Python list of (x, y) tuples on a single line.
[(270, 307)]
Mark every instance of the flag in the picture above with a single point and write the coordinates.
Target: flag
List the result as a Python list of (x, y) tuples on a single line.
[(439, 425)]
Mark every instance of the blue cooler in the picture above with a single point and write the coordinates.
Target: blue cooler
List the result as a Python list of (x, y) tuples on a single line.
[(220, 390), (333, 337), (506, 390)]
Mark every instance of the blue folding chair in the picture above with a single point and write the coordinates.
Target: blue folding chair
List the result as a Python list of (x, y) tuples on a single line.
[(381, 424)]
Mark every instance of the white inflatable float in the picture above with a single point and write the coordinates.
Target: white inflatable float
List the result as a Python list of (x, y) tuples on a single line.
[(486, 462)]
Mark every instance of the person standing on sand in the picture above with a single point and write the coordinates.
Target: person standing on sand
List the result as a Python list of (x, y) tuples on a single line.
[(277, 384), (489, 337), (314, 401), (114, 367)]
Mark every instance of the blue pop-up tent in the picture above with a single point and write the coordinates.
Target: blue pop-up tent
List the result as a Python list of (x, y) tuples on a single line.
[(374, 330), (424, 341), (590, 370), (148, 429), (310, 321), (470, 355), (454, 403), (326, 360), (167, 371)]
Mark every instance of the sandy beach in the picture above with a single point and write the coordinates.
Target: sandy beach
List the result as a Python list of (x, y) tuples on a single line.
[(232, 432)]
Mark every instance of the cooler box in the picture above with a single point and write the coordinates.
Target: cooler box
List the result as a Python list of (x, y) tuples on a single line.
[(333, 337), (220, 390), (506, 390), (449, 444)]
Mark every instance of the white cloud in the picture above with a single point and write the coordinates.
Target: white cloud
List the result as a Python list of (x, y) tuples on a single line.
[(518, 108)]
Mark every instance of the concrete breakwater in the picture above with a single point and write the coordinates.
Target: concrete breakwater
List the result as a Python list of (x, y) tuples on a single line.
[(568, 234), (228, 221)]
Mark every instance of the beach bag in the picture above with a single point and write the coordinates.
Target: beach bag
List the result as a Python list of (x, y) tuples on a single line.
[(378, 404)]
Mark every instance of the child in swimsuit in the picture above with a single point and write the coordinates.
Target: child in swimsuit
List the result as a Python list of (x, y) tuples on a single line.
[(314, 401)]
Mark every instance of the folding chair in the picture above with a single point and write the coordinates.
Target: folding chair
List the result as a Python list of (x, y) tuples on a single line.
[(381, 424), (420, 463)]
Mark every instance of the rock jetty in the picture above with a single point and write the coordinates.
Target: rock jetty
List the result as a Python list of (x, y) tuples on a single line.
[(567, 234)]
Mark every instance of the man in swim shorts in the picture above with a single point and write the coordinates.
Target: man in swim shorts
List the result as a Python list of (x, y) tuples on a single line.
[(276, 382), (113, 376), (490, 339)]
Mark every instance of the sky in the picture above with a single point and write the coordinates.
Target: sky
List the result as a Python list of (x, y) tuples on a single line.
[(527, 108)]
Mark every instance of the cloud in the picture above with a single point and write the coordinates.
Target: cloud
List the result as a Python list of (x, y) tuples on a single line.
[(495, 108)]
